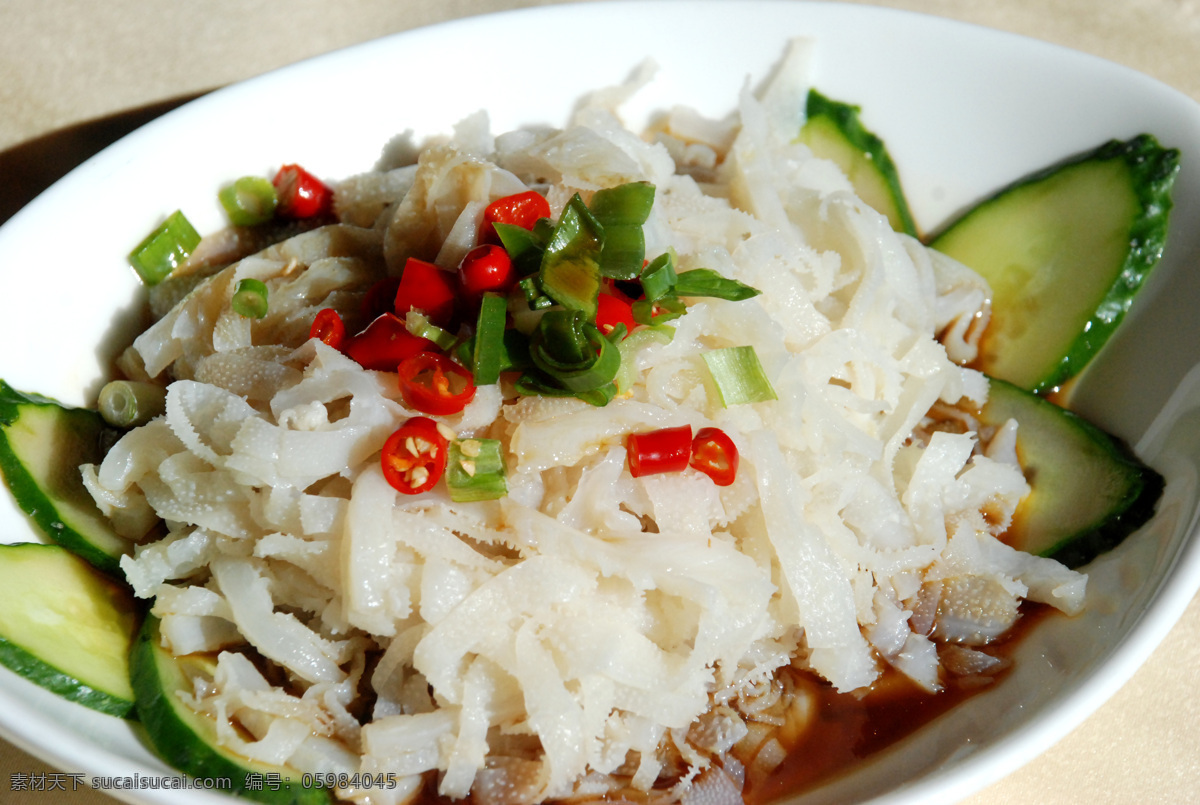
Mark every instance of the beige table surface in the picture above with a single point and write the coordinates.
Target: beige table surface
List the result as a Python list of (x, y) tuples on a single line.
[(68, 66)]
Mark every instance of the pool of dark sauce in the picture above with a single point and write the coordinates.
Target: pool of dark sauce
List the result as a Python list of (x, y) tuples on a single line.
[(849, 728)]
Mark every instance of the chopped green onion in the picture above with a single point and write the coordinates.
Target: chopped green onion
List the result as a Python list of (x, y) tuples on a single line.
[(543, 230), (624, 251), (629, 203), (622, 211), (560, 337), (706, 282), (658, 311), (514, 352), (418, 324), (599, 397), (570, 269), (524, 246), (475, 470), (164, 249), (250, 298), (739, 376), (516, 240), (248, 201), (532, 385), (488, 353), (533, 294), (128, 403), (658, 278), (594, 374), (572, 352)]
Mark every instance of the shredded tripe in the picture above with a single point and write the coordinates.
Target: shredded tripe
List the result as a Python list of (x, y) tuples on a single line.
[(589, 633)]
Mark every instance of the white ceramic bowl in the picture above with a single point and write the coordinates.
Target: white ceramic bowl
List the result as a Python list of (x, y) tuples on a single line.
[(963, 110)]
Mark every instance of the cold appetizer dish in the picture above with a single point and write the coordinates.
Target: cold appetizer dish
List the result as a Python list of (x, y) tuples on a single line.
[(583, 464)]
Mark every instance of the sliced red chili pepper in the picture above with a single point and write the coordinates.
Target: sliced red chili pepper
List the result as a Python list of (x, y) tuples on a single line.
[(384, 343), (414, 457), (425, 287), (433, 384), (519, 209), (301, 195), (612, 310), (715, 455), (486, 268), (380, 298), (663, 450), (328, 327)]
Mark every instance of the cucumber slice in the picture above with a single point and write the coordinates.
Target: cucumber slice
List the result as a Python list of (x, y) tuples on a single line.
[(188, 740), (42, 444), (833, 131), (66, 627), (1064, 251), (1088, 490)]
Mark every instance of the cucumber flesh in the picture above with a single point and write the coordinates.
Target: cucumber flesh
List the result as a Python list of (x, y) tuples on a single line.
[(187, 739), (1065, 250), (66, 627), (833, 131), (42, 445), (1088, 491)]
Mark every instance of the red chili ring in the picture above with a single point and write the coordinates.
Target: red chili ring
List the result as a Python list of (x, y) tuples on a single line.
[(329, 328), (414, 457), (427, 382), (657, 451), (715, 455)]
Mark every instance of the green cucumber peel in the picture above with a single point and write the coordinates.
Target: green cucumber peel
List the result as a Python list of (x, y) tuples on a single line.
[(48, 486), (833, 130), (1060, 290), (1088, 491), (67, 627), (187, 740)]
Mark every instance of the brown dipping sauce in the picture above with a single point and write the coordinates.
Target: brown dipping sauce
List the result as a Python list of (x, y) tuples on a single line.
[(849, 729)]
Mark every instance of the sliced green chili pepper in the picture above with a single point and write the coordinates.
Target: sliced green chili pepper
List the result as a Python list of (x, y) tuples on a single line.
[(475, 470)]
